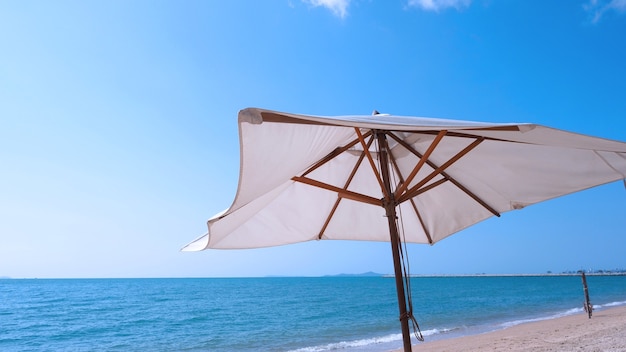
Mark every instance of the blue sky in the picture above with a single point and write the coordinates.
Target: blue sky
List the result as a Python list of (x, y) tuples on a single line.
[(118, 133)]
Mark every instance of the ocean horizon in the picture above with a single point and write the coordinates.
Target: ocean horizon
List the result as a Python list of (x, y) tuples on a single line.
[(305, 314), (617, 272)]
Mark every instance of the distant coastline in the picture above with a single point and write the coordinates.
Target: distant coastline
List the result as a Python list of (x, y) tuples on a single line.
[(367, 274), (566, 273), (621, 273)]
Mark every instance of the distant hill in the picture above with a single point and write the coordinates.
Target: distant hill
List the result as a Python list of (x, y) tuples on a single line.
[(367, 274)]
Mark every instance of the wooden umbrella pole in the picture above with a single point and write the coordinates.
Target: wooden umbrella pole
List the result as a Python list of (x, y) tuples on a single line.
[(390, 211)]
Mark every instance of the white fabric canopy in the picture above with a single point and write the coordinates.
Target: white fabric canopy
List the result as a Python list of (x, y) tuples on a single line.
[(483, 169)]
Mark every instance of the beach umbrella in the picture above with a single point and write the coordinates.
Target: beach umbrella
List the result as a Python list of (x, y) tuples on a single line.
[(305, 178)]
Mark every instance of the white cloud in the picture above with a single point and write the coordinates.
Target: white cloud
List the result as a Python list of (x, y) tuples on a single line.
[(597, 8), (436, 5), (337, 7)]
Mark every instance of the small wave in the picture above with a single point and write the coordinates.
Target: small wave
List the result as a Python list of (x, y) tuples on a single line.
[(436, 331), (548, 317), (612, 304), (568, 312), (365, 342), (350, 344)]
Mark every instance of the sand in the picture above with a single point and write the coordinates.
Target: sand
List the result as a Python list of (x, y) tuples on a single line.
[(605, 331)]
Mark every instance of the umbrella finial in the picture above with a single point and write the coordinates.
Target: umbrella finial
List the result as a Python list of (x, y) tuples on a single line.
[(375, 112)]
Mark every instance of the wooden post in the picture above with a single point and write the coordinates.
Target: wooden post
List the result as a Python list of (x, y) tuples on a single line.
[(588, 306)]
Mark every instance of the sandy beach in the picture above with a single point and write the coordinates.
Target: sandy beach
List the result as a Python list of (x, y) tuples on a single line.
[(605, 332)]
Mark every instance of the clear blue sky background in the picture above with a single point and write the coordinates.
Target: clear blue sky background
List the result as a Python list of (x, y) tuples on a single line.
[(118, 133)]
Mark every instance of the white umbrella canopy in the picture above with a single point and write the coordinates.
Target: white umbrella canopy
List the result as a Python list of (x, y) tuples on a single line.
[(305, 178)]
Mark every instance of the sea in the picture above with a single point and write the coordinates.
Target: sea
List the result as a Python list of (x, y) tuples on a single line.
[(303, 314)]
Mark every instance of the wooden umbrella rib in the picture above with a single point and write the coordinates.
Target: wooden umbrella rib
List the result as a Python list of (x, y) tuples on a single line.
[(440, 169), (371, 160), (341, 192), (419, 217), (447, 176), (459, 133), (424, 189), (395, 165), (334, 154), (345, 187), (328, 218), (275, 117), (420, 163), (475, 197)]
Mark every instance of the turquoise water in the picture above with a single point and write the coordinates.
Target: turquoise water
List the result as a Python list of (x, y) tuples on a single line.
[(275, 314)]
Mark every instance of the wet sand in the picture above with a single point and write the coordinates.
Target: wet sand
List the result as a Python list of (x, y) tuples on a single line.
[(604, 332)]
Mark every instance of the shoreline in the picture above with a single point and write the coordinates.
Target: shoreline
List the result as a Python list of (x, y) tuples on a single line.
[(603, 332)]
